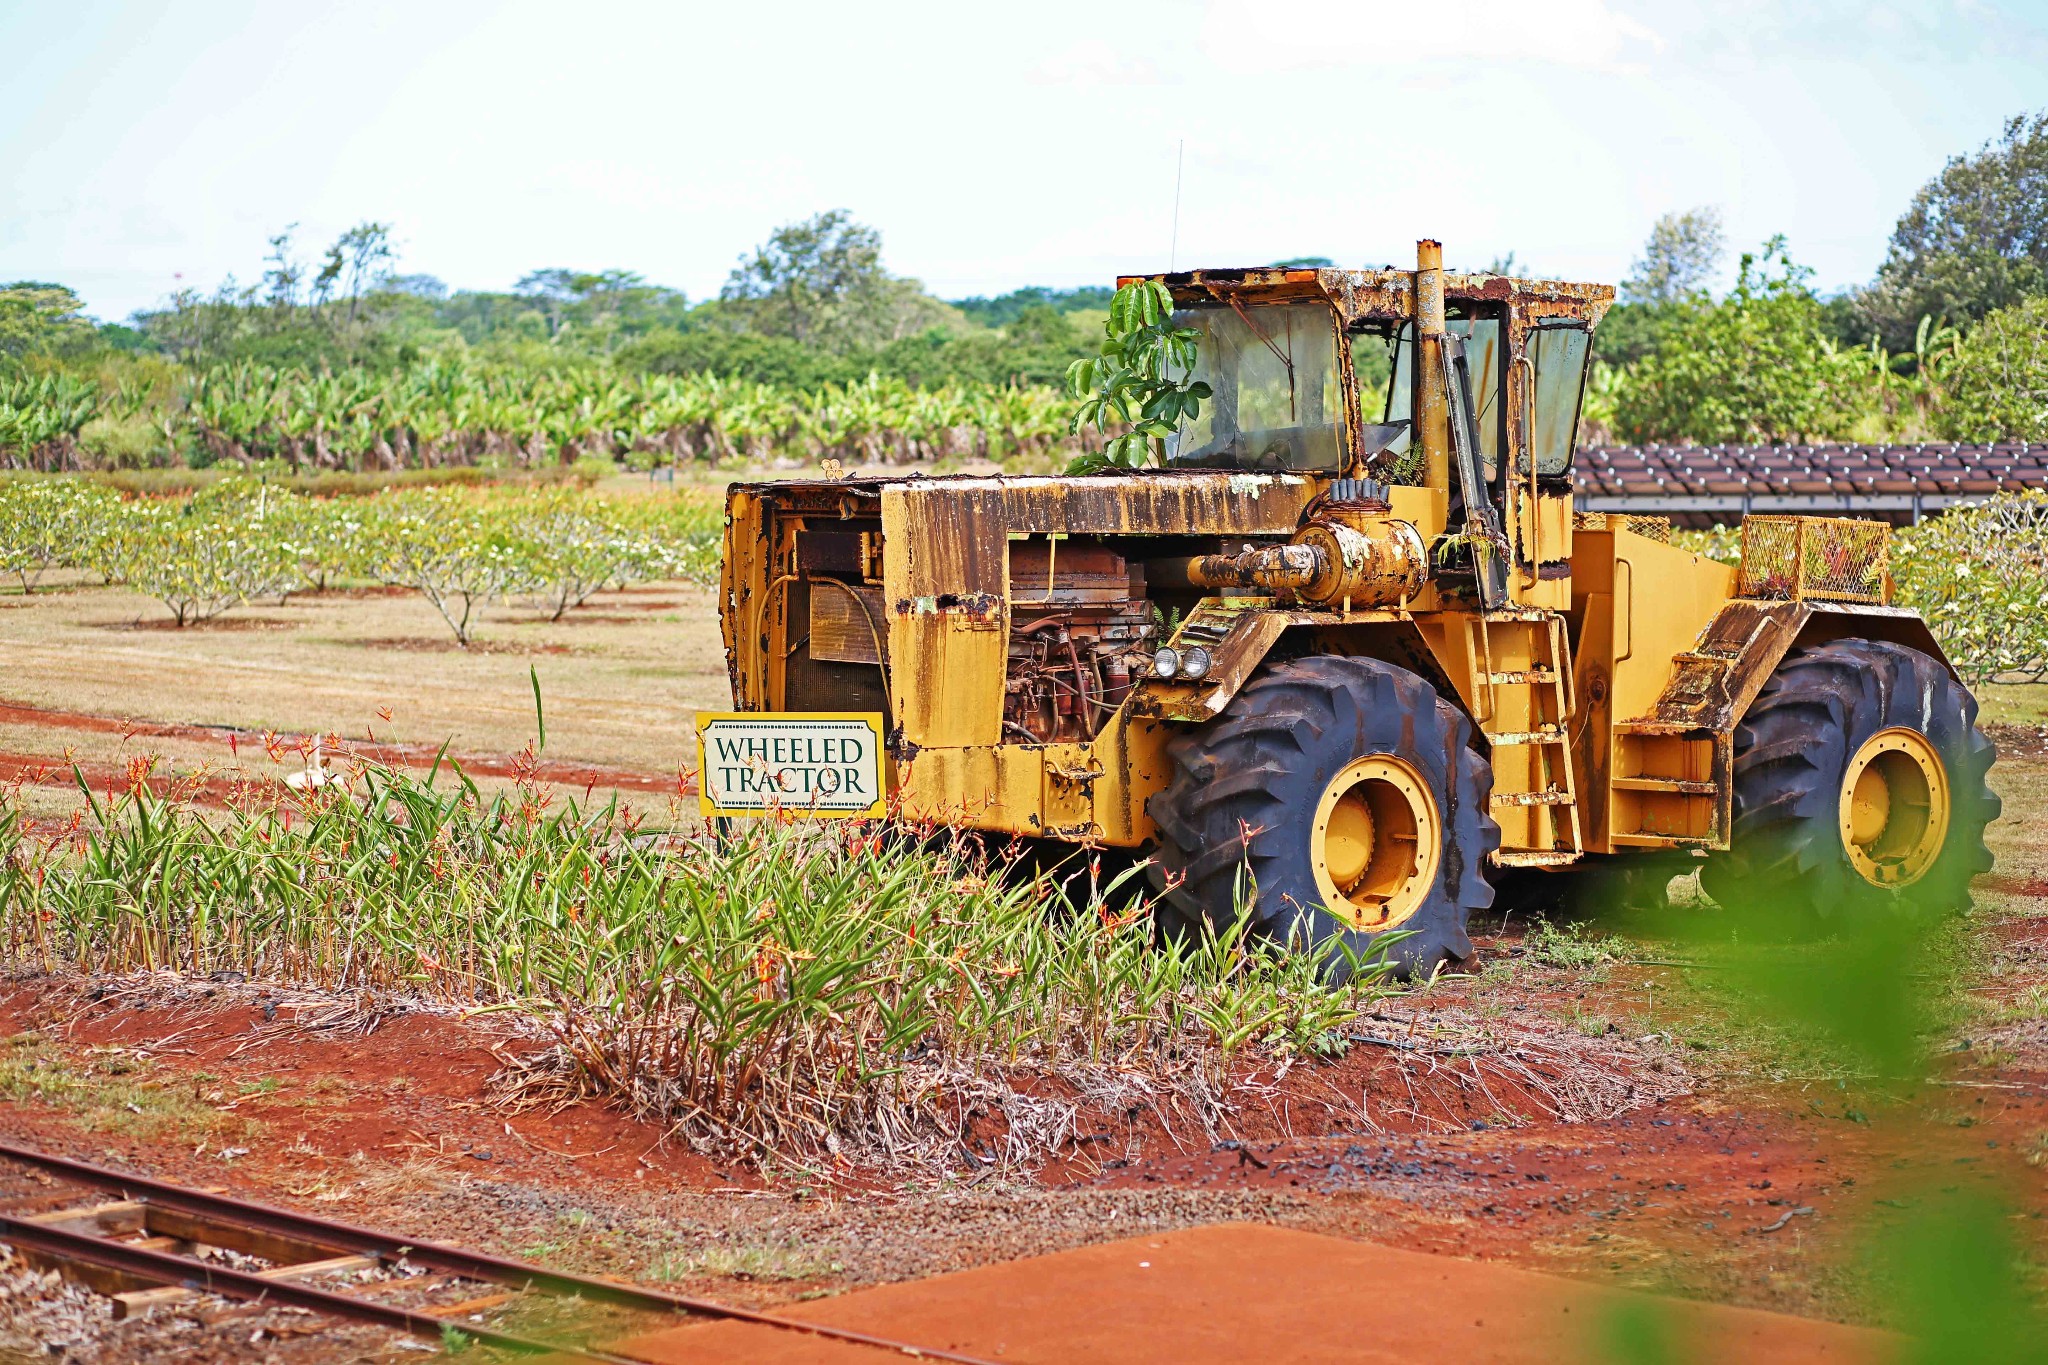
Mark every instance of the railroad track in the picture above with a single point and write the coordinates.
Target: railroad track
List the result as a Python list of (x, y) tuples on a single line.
[(137, 1248)]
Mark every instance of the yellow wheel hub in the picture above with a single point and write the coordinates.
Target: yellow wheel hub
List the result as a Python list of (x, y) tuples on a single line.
[(1894, 808), (1376, 842)]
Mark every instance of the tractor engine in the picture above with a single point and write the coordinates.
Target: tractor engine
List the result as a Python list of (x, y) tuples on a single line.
[(1081, 633)]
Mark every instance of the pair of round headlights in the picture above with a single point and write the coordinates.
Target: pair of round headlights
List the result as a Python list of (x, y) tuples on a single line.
[(1181, 665)]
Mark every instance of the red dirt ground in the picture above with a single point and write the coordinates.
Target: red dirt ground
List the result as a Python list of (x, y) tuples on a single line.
[(1197, 1297), (55, 769), (1742, 1191), (331, 1089)]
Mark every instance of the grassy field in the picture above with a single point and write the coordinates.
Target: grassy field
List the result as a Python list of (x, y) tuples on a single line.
[(620, 679)]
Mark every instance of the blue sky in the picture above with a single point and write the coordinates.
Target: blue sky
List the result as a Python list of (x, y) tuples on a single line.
[(149, 144)]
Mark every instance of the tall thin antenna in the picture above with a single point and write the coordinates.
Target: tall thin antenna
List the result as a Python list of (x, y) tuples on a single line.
[(1173, 250)]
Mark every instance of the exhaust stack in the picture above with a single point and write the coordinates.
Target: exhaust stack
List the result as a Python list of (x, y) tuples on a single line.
[(1433, 405)]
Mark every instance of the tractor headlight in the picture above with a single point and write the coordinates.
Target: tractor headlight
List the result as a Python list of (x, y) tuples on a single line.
[(1194, 663), (1166, 663)]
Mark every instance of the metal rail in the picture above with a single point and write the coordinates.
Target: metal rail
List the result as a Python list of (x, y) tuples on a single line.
[(163, 1268), (347, 1238)]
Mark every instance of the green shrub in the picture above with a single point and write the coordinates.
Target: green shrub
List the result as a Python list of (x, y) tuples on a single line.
[(1997, 383)]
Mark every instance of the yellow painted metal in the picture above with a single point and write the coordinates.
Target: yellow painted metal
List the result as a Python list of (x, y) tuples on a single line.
[(1084, 793), (1375, 842), (1894, 807), (1433, 405), (1661, 596), (945, 579), (743, 584), (1579, 689), (1428, 510)]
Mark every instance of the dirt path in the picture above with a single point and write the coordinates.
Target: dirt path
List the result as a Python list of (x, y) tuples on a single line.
[(1198, 1297)]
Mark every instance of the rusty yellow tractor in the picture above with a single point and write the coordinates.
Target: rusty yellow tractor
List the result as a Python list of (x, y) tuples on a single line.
[(1348, 656)]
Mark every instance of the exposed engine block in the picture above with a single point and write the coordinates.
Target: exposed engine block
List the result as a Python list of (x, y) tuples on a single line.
[(1081, 631)]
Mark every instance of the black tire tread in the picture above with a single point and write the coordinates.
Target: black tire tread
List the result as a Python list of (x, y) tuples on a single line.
[(1209, 824), (1790, 752)]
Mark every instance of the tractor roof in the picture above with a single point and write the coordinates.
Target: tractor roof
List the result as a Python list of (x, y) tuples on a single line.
[(1385, 295)]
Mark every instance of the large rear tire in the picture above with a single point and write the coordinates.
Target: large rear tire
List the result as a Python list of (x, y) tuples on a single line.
[(1859, 789), (1340, 798)]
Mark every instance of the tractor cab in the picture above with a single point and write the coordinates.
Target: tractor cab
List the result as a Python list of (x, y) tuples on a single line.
[(1315, 372)]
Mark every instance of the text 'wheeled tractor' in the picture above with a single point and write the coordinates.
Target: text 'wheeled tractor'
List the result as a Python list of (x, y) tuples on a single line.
[(1349, 653)]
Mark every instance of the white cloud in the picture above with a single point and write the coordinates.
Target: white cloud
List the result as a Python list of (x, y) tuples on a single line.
[(1397, 34), (1092, 62)]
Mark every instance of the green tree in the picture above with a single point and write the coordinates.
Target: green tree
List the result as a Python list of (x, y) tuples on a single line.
[(1140, 381), (1974, 239), (1005, 309), (1996, 384), (42, 319), (821, 282), (1679, 259), (805, 273), (1758, 365), (595, 309)]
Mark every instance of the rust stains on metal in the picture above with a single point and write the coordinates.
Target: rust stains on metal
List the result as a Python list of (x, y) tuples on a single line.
[(980, 607), (1387, 295), (1713, 683), (1237, 635)]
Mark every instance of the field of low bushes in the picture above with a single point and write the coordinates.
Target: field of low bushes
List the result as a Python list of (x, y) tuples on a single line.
[(236, 540)]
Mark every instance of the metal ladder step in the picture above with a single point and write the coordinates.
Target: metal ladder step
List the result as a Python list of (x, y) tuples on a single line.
[(1552, 797), (1680, 785), (1534, 857), (1550, 734)]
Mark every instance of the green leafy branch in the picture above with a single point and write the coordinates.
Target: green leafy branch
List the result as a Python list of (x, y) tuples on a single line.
[(1131, 383)]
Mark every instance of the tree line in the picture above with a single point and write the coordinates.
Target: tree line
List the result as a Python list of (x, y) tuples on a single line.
[(1949, 340)]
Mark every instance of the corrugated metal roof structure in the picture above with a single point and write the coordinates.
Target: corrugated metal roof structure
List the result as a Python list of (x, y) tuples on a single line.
[(1700, 485)]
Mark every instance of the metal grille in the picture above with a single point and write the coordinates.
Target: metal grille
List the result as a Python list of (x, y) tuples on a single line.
[(1836, 558), (1653, 528)]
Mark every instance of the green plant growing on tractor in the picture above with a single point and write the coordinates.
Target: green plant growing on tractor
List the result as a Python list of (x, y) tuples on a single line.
[(1141, 381)]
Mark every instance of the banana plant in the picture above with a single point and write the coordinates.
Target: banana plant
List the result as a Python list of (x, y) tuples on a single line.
[(1132, 383)]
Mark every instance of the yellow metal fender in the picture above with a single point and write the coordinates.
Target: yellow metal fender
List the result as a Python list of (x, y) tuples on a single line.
[(1240, 632)]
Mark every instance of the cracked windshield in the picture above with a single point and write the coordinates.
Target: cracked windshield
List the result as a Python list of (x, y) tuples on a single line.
[(1278, 398)]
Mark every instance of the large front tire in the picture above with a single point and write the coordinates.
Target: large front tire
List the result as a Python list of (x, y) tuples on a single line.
[(1341, 799), (1859, 789)]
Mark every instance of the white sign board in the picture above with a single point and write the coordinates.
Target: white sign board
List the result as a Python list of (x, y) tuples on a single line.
[(815, 762)]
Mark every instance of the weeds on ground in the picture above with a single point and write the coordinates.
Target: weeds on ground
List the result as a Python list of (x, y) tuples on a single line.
[(1574, 947), (109, 1094), (749, 1261)]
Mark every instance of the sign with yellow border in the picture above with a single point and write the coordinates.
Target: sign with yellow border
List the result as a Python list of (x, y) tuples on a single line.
[(824, 763)]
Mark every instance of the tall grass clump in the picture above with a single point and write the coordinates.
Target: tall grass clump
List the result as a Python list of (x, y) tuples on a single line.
[(800, 987)]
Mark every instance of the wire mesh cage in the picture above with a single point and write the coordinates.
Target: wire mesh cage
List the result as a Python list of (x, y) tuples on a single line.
[(1656, 528), (1834, 558)]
